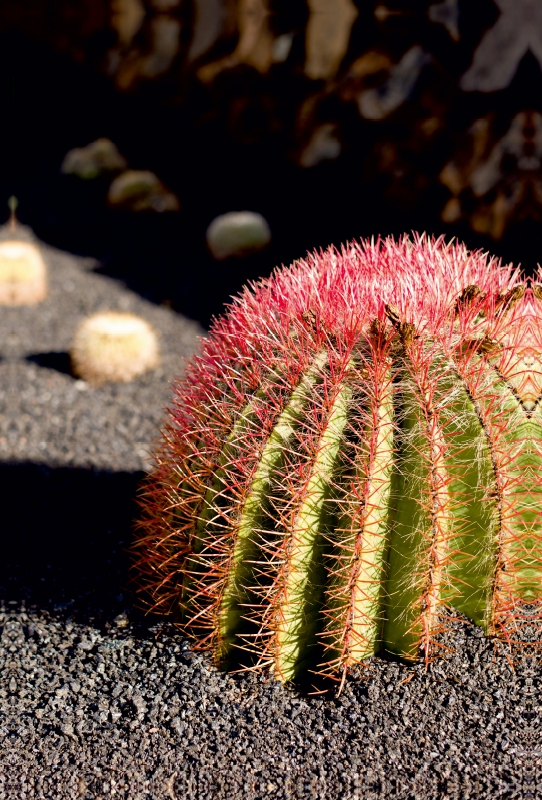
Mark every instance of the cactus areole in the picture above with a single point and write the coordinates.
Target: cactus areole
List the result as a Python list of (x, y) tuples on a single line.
[(356, 451)]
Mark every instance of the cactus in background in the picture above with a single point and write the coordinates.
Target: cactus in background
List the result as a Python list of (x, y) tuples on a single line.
[(92, 161), (141, 190), (237, 233), (357, 449), (113, 346), (23, 274)]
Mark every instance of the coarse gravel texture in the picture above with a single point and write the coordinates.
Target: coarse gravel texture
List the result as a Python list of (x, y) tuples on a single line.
[(98, 701), (128, 711)]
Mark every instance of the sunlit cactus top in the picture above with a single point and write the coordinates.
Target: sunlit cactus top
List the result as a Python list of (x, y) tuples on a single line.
[(356, 450)]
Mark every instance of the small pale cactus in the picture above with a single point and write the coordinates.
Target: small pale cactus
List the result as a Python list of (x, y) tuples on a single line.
[(237, 233), (356, 451), (113, 346), (23, 274)]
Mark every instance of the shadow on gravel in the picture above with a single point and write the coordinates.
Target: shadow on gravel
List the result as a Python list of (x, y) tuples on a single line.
[(54, 360), (64, 536)]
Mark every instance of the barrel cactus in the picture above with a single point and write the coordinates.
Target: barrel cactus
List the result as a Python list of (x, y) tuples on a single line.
[(356, 451), (113, 346), (23, 274)]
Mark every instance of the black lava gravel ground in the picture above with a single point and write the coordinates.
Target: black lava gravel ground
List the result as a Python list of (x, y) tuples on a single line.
[(127, 711), (98, 701)]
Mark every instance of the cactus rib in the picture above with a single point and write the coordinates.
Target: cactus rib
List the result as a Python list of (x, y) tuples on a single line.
[(252, 517), (358, 563), (292, 623)]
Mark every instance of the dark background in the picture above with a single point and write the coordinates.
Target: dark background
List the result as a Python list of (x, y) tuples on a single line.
[(235, 140)]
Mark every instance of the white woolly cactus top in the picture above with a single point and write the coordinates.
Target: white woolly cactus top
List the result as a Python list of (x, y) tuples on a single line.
[(113, 346), (23, 275)]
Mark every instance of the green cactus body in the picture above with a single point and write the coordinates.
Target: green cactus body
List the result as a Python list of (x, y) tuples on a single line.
[(296, 615), (523, 377), (253, 515), (475, 517), (512, 432), (533, 542), (418, 534), (372, 460), (526, 548), (361, 537)]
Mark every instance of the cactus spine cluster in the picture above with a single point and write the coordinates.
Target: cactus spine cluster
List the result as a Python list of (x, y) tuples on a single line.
[(357, 447)]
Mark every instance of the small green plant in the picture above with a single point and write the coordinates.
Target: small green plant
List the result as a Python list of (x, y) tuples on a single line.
[(356, 451)]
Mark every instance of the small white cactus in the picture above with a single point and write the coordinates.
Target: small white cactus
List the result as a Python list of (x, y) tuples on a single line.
[(23, 274), (113, 346)]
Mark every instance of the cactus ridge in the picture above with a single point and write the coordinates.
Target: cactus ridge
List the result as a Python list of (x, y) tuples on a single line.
[(357, 447)]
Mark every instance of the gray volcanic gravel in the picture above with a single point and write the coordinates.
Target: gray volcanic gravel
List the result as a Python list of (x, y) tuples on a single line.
[(98, 701), (129, 711)]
